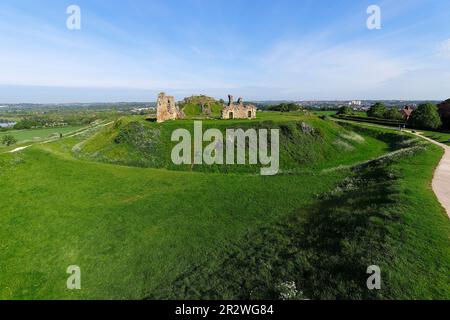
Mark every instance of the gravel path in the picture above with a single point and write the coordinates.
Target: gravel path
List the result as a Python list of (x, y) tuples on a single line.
[(441, 179), (18, 149)]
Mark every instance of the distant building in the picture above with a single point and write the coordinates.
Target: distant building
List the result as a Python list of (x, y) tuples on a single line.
[(239, 110), (355, 103), (140, 111)]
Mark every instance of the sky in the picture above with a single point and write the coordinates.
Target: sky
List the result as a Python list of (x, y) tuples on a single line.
[(130, 50)]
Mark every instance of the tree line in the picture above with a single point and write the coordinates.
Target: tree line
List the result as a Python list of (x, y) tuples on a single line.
[(284, 107), (425, 116)]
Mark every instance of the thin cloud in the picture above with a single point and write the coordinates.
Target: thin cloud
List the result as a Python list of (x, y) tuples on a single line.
[(334, 71), (444, 49)]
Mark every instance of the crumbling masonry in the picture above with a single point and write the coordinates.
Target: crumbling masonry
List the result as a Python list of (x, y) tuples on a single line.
[(166, 109), (239, 110)]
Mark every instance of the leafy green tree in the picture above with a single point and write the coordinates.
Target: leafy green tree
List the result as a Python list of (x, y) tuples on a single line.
[(426, 116), (444, 112), (345, 110), (8, 140), (393, 114), (377, 110), (284, 107)]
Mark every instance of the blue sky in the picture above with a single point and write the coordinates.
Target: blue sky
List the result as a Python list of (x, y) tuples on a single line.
[(259, 49)]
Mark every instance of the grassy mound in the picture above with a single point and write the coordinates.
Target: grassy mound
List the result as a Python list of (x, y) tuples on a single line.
[(201, 107), (305, 142)]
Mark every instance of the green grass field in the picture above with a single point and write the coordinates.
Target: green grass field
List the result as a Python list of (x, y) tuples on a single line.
[(382, 214), (38, 134), (439, 136), (136, 228), (324, 113), (332, 113), (443, 137)]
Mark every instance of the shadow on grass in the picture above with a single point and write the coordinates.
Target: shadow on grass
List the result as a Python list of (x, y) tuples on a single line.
[(320, 253)]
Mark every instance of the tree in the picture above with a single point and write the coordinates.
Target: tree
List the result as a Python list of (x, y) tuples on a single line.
[(8, 140), (377, 110), (345, 110), (284, 107), (444, 112), (426, 116), (393, 114)]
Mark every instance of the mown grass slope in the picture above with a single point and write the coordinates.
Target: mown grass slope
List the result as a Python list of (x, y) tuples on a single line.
[(131, 230), (383, 213)]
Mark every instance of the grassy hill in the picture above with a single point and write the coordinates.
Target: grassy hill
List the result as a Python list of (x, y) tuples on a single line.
[(192, 107), (112, 203), (305, 142)]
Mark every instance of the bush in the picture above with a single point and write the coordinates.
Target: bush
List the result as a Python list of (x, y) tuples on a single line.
[(377, 110), (345, 110), (426, 116), (8, 140), (138, 136), (284, 107), (393, 114)]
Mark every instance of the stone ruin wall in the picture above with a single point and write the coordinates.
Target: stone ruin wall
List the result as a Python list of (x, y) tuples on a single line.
[(239, 110), (166, 109)]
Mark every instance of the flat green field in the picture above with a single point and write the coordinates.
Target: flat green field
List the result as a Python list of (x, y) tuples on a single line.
[(324, 113), (331, 113), (38, 134), (443, 137), (134, 231)]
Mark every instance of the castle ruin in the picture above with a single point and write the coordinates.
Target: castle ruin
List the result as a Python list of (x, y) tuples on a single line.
[(166, 109), (239, 110)]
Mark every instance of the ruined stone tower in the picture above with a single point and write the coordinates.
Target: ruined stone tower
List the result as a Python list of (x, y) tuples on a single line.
[(239, 110), (166, 108)]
